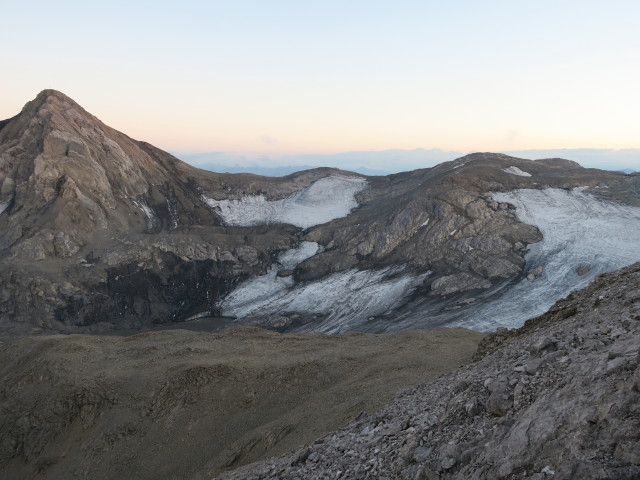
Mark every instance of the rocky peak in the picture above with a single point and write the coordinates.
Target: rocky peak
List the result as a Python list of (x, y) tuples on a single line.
[(65, 174), (53, 102)]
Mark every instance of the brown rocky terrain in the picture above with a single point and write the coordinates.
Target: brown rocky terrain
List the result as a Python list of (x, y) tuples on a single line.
[(558, 398), (100, 232), (95, 226), (183, 405)]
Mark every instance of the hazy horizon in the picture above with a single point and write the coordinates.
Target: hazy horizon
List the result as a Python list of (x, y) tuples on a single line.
[(395, 160)]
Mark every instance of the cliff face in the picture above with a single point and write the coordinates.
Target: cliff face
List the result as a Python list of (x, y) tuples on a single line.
[(100, 231)]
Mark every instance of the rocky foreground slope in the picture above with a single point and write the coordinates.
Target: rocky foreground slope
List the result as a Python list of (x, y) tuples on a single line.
[(558, 398), (100, 232)]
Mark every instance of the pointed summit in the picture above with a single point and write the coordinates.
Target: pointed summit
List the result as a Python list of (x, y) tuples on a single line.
[(52, 110), (66, 174), (50, 95), (47, 103)]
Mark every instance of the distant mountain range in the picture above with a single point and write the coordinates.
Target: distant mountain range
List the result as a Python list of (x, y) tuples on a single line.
[(384, 162), (275, 171)]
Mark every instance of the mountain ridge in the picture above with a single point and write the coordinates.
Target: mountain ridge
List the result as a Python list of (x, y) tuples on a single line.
[(142, 238)]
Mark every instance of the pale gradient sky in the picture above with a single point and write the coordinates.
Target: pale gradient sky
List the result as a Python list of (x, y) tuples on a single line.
[(289, 77)]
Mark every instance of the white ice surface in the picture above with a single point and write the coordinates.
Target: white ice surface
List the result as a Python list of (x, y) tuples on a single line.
[(347, 299), (252, 293), (291, 258), (516, 171), (3, 207), (324, 200), (578, 229)]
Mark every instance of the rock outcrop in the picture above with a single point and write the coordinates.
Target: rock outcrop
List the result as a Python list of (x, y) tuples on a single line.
[(558, 398)]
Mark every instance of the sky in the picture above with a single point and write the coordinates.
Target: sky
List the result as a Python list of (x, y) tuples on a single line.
[(281, 78)]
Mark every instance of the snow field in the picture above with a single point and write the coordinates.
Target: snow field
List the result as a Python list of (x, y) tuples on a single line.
[(322, 201)]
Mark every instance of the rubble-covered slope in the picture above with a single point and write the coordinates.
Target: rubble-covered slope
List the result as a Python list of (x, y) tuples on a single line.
[(558, 398)]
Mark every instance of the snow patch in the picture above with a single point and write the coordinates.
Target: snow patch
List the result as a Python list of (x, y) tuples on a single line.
[(3, 206), (516, 171), (425, 223), (322, 201), (291, 258), (152, 220)]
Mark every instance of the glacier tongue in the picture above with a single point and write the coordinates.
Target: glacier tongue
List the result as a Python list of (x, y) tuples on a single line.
[(579, 230), (346, 299), (250, 297), (322, 201)]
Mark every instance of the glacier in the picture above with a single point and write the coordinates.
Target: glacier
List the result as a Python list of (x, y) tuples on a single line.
[(583, 236), (346, 299), (324, 200), (579, 231)]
